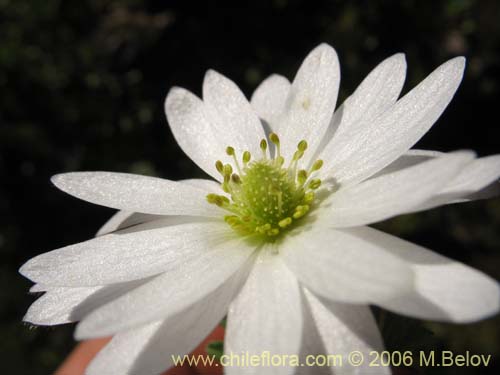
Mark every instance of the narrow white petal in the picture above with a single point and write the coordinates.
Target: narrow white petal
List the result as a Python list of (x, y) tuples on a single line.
[(478, 180), (266, 316), (474, 177), (375, 95), (396, 130), (408, 159), (55, 306), (444, 289), (311, 101), (269, 99), (134, 253), (135, 193), (340, 266), (125, 219), (210, 186), (193, 129), (149, 349), (65, 305), (170, 292), (344, 329), (37, 288), (232, 116), (391, 194)]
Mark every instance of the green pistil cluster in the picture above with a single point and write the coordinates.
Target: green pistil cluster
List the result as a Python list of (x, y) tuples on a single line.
[(264, 197)]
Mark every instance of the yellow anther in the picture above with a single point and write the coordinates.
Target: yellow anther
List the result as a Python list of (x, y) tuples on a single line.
[(211, 198), (300, 211), (228, 170), (314, 184), (231, 219), (317, 165), (273, 137), (309, 197), (236, 178), (263, 145), (246, 157), (302, 146), (218, 200), (285, 222), (219, 166), (263, 228), (273, 232), (230, 150), (297, 155), (302, 176)]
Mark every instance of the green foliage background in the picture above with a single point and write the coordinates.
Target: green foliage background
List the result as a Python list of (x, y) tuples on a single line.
[(82, 88)]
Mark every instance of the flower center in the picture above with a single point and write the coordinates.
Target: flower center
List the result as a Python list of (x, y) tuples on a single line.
[(264, 197)]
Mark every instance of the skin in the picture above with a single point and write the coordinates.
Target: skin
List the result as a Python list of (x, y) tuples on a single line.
[(81, 356)]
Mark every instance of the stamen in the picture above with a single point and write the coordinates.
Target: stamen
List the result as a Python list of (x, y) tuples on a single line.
[(302, 177), (235, 178), (317, 165), (302, 146), (230, 152), (265, 198), (228, 170), (285, 222), (219, 166), (246, 158), (263, 147), (314, 184), (273, 137)]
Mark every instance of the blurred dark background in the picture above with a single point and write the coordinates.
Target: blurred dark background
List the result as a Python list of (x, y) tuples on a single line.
[(82, 88)]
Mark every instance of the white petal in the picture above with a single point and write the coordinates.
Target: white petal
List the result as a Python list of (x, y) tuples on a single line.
[(55, 306), (476, 176), (408, 159), (375, 95), (340, 266), (149, 348), (135, 193), (168, 293), (311, 101), (193, 129), (36, 288), (478, 180), (344, 329), (444, 289), (232, 116), (266, 315), (396, 130), (125, 219), (391, 194), (65, 305), (269, 99), (134, 253), (209, 186)]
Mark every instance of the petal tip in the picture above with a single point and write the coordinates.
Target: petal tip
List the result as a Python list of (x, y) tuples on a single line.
[(456, 65), (400, 57), (80, 332), (63, 181), (174, 96), (210, 75), (25, 269)]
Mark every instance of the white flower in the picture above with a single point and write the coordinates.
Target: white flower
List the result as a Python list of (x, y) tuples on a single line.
[(282, 248)]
